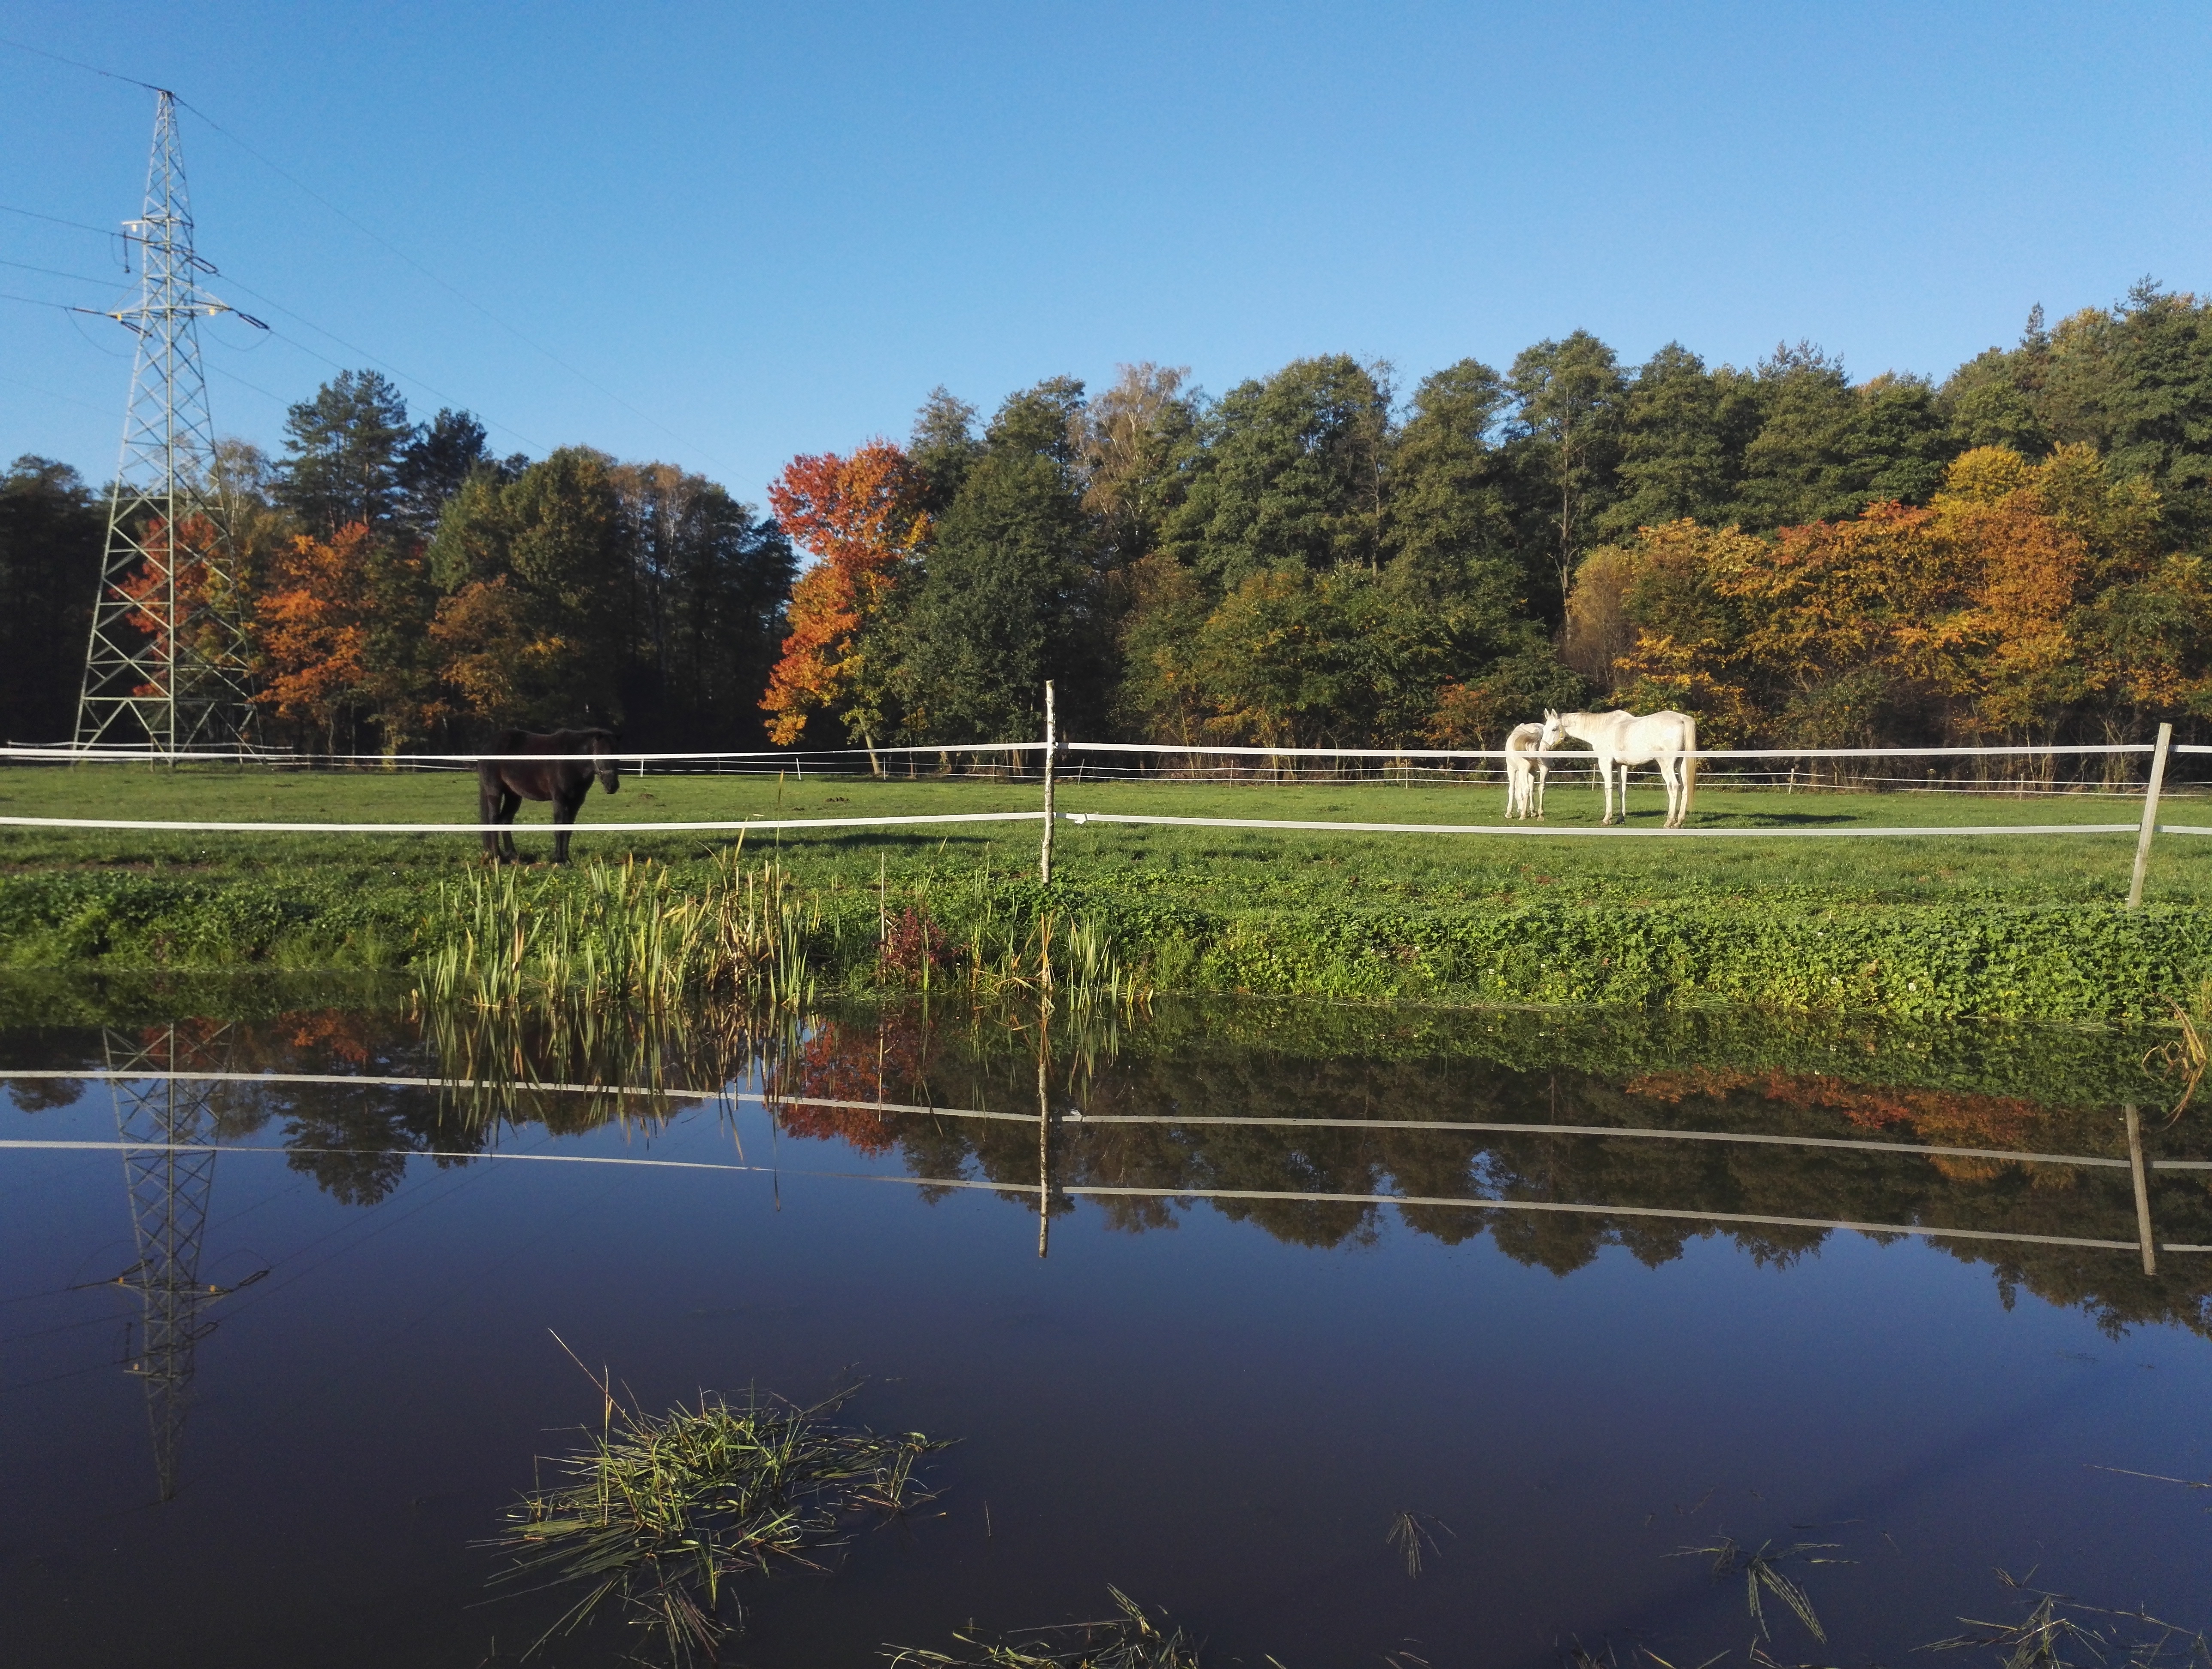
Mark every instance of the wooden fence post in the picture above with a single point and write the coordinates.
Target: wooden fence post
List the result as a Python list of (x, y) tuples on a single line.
[(2150, 815), (1044, 852), (2142, 1190)]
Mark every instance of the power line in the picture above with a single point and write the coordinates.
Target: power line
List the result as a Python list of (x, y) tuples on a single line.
[(78, 64), (454, 290), (381, 365), (49, 394), (56, 219), (385, 243), (267, 300), (56, 272)]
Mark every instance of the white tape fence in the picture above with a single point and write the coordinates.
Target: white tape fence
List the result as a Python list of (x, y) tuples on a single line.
[(1075, 762)]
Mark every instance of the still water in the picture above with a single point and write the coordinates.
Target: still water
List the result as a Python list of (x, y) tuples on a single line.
[(266, 1400)]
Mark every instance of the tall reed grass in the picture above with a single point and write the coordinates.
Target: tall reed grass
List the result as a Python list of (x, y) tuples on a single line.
[(646, 934), (626, 932)]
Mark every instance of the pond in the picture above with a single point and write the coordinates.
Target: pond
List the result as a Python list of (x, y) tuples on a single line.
[(1574, 1293)]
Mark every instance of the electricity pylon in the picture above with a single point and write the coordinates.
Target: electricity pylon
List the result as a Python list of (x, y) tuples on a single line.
[(169, 1169), (166, 665)]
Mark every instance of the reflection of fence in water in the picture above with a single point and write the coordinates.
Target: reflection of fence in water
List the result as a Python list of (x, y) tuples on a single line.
[(159, 1088)]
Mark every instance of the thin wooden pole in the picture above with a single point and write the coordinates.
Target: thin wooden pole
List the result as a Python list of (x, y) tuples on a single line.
[(2142, 1190), (1044, 1150), (1044, 852), (2149, 817), (1044, 1090)]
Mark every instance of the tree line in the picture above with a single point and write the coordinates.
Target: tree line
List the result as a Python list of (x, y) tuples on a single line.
[(2017, 552), (406, 588), (1318, 556)]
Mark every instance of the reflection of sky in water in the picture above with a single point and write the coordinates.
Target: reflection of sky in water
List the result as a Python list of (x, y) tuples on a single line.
[(1218, 1419)]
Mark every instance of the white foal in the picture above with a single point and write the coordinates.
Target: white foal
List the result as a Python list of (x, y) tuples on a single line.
[(1525, 772), (1668, 739)]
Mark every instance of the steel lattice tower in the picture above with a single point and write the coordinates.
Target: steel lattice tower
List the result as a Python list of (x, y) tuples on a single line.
[(175, 677), (170, 1173)]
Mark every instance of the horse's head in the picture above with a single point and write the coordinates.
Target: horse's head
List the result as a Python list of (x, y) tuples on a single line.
[(606, 765), (1555, 728)]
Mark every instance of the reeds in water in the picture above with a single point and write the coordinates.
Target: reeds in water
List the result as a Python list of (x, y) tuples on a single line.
[(659, 1514), (1762, 1569), (1130, 1641), (624, 933)]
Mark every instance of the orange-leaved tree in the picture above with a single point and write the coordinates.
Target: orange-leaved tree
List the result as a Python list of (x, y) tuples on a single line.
[(311, 626), (862, 517), (177, 621)]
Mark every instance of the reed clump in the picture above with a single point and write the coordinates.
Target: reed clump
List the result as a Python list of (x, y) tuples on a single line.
[(629, 932), (1131, 1640), (658, 1514)]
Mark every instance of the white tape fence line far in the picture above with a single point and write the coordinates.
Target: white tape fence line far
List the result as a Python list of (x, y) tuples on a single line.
[(727, 826), (1575, 832), (1094, 1191), (1074, 1117), (792, 759), (1295, 824)]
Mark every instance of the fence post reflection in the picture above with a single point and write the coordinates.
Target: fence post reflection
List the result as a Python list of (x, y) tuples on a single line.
[(2142, 1190)]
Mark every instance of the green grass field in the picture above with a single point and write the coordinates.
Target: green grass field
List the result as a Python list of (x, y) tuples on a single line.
[(1222, 864), (2025, 927)]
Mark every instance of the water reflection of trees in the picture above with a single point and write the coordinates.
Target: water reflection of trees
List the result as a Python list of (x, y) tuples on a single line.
[(961, 1063), (1294, 1067)]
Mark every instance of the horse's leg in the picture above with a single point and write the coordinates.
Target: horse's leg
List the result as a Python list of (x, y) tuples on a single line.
[(487, 812), (564, 814), (1678, 802), (1542, 772), (1605, 765), (509, 803)]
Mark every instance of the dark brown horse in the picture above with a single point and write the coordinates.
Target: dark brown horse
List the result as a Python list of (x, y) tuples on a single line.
[(503, 784)]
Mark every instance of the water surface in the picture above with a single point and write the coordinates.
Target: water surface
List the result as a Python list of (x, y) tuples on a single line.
[(337, 1341)]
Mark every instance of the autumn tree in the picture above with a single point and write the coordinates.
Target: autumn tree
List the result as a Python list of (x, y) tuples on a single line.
[(311, 631), (861, 517), (1131, 442)]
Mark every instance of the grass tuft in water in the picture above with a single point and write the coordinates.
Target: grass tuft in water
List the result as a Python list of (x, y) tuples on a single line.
[(1410, 1533), (2186, 1057), (2062, 1633), (1762, 1569), (656, 1515), (1130, 1641)]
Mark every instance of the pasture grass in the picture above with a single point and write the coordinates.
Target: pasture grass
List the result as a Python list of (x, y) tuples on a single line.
[(1246, 865), (2026, 927)]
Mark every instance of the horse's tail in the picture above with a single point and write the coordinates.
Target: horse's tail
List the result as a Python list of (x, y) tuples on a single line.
[(1689, 763)]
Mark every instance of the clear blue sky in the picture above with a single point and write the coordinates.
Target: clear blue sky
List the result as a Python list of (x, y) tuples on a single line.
[(774, 229)]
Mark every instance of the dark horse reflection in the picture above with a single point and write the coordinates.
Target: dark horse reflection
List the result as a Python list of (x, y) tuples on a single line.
[(562, 770)]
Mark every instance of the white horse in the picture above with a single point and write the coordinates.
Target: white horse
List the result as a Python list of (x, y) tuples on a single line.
[(1668, 739), (1525, 772)]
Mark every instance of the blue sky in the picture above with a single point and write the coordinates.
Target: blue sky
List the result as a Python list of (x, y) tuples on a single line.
[(754, 231)]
